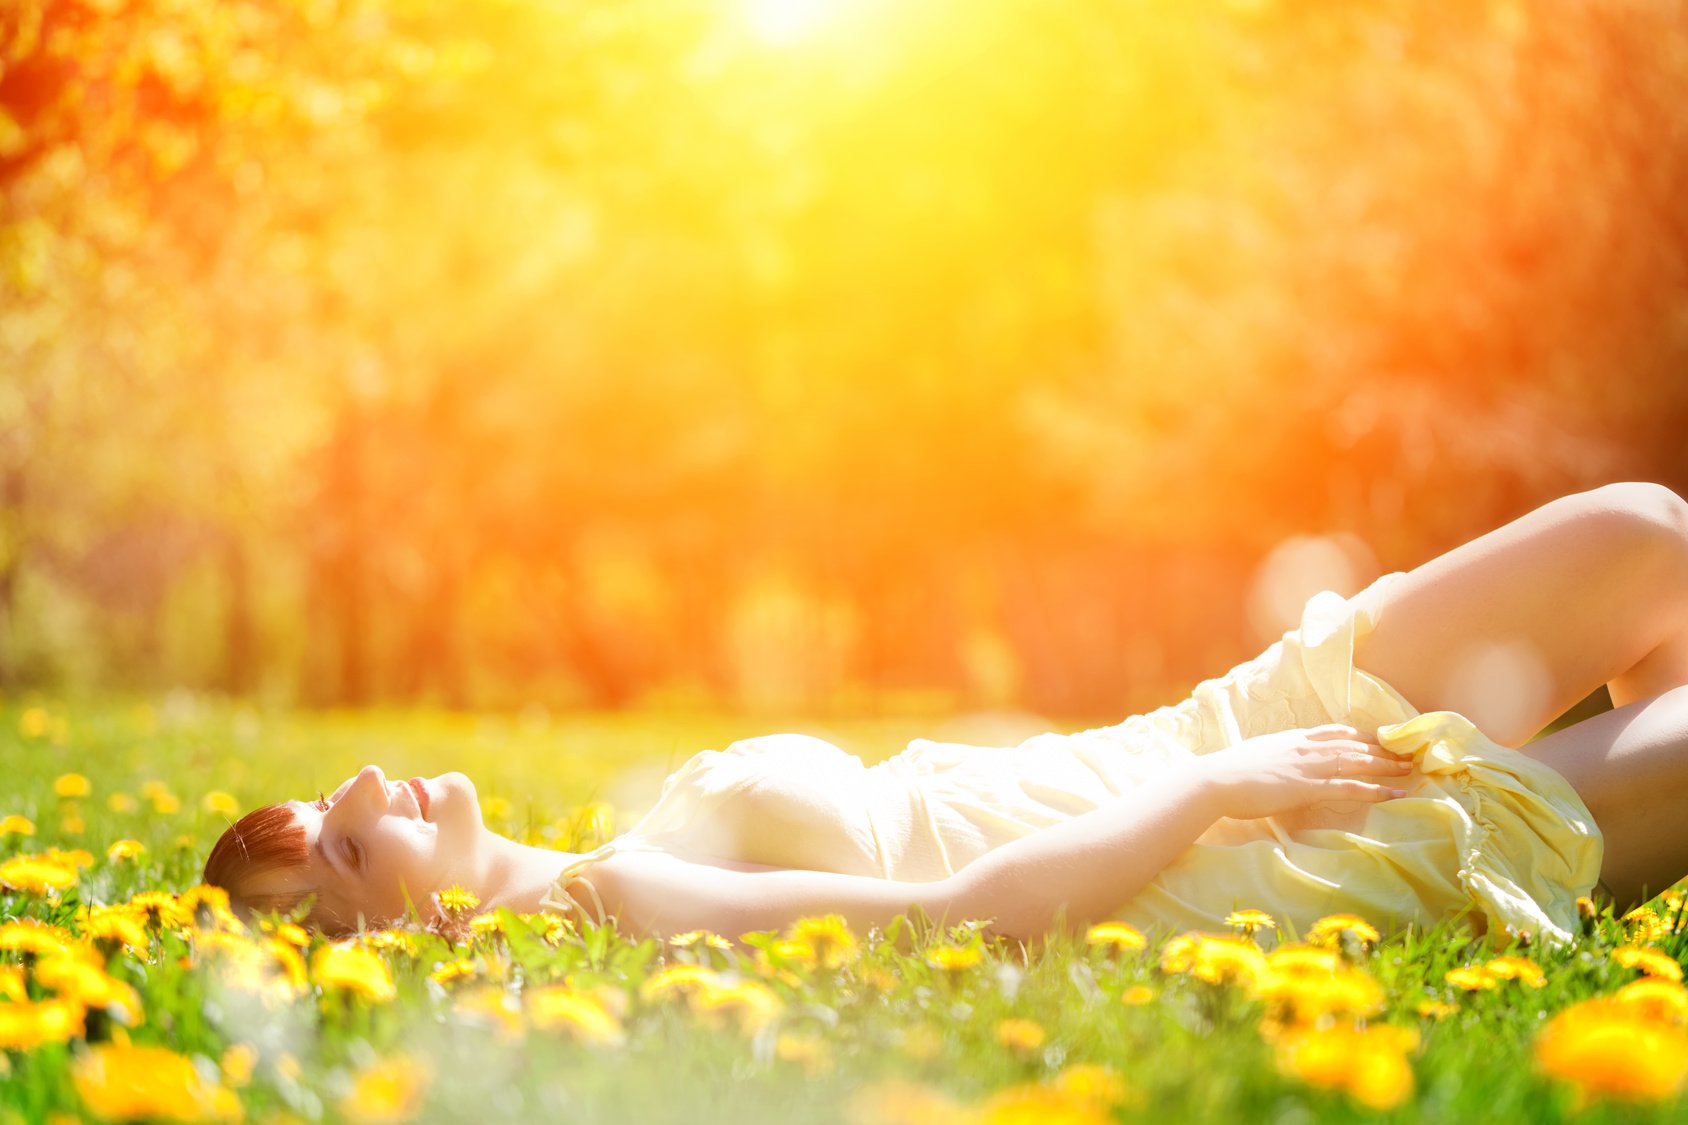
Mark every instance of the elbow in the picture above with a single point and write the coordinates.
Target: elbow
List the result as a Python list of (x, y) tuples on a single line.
[(1019, 916)]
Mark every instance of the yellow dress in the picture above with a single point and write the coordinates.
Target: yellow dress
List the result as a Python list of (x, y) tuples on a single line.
[(1486, 833)]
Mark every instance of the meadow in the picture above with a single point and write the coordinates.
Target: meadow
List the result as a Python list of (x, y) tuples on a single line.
[(127, 993)]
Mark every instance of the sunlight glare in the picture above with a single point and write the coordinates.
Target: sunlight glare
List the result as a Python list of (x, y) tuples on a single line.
[(780, 23)]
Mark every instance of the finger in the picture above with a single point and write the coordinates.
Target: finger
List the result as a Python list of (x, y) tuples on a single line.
[(1333, 730), (1367, 765), (1350, 790), (1362, 746)]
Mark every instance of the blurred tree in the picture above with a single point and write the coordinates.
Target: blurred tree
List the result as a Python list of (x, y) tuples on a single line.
[(364, 350)]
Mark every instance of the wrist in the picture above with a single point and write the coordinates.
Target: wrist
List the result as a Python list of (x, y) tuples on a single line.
[(1210, 784)]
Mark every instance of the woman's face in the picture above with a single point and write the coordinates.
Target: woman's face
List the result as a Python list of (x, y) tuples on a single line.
[(373, 842)]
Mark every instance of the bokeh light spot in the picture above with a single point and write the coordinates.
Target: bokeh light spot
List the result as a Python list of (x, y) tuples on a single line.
[(1298, 568)]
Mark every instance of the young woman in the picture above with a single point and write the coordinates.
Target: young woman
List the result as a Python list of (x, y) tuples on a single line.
[(1323, 776)]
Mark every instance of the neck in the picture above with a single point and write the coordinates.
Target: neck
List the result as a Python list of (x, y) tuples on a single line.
[(517, 875)]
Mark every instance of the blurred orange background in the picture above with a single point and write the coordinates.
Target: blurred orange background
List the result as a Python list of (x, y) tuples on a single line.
[(813, 354)]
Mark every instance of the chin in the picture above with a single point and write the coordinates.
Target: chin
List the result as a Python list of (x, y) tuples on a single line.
[(458, 804)]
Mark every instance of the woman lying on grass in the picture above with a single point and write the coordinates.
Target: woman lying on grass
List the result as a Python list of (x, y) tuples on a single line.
[(1321, 777)]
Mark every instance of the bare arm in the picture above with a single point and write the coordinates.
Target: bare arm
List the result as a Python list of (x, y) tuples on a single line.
[(1084, 867)]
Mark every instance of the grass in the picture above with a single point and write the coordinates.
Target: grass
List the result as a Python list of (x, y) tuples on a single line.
[(525, 1021)]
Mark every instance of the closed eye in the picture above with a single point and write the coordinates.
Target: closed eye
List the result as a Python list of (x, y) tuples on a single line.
[(354, 854)]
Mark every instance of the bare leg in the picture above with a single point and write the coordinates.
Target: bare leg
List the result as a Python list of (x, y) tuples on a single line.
[(1630, 766), (1589, 589)]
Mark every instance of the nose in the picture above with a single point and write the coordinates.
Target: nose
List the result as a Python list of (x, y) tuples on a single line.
[(367, 787)]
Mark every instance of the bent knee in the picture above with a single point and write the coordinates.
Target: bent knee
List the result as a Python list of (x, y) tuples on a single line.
[(1641, 518)]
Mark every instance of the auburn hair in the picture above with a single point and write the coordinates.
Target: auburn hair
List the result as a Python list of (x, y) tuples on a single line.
[(266, 839)]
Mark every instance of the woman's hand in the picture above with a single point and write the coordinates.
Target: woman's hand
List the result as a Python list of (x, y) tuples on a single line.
[(1273, 774)]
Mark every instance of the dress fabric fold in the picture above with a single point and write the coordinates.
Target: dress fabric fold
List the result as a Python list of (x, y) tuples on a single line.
[(1487, 835)]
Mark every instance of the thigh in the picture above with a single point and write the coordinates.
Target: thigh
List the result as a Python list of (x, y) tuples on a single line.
[(1517, 625), (1630, 767)]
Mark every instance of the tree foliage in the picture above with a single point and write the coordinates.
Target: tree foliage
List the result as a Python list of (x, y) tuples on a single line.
[(362, 349)]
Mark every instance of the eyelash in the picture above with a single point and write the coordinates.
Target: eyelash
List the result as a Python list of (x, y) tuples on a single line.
[(353, 853)]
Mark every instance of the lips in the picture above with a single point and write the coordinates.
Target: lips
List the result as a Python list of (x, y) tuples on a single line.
[(421, 792)]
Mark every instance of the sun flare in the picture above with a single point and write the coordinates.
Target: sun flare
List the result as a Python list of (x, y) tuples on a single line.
[(780, 23)]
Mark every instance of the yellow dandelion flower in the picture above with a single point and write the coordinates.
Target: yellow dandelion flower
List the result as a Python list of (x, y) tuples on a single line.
[(74, 858), (1521, 969), (1215, 959), (1020, 1035), (486, 925), (455, 900), (36, 875), (15, 825), (389, 1090), (1331, 929), (1093, 1082), (1137, 995), (1644, 926), (828, 940), (208, 907), (453, 971), (1471, 978), (556, 929), (1032, 1104), (1117, 937), (157, 910), (72, 785), (700, 937), (237, 1064), (561, 1008), (166, 804), (784, 951), (26, 1025), (11, 983), (1435, 1009), (1658, 998), (749, 1005), (1653, 962), (74, 978), (1299, 988), (34, 722), (30, 936), (219, 803), (71, 823), (491, 1005), (125, 849), (954, 959), (1303, 960), (807, 1051), (1368, 1065), (676, 979), (153, 790), (350, 969), (386, 941), (905, 1103), (121, 803), (289, 932), (121, 1081), (1249, 921), (1606, 1049)]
